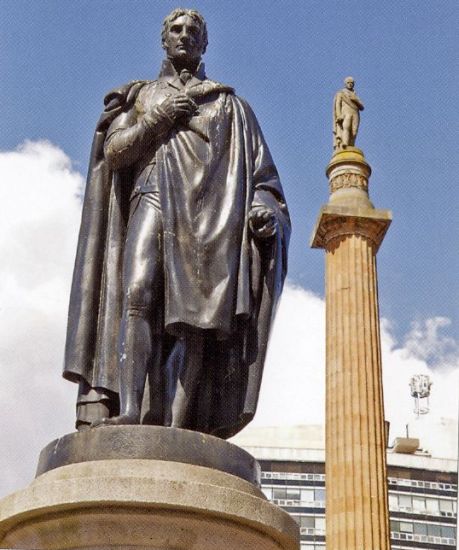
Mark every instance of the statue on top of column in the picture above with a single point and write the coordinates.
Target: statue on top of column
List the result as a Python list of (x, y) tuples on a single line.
[(346, 116)]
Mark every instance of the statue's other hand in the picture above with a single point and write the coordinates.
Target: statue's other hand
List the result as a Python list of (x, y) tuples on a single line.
[(178, 106), (262, 222)]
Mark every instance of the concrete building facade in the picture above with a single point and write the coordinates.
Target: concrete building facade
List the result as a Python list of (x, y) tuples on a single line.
[(422, 487)]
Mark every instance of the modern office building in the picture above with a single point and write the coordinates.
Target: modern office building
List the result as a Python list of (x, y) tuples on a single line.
[(422, 483)]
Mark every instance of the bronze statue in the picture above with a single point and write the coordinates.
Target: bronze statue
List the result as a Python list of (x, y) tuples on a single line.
[(182, 251), (346, 115)]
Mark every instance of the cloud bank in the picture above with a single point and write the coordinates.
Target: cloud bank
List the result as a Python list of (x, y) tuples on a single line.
[(40, 193), (293, 388), (38, 229)]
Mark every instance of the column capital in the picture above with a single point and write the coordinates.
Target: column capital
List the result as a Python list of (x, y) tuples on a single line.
[(336, 222), (349, 210)]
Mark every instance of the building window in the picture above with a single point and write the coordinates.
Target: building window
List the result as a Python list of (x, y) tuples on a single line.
[(446, 506), (406, 527), (448, 532), (307, 495), (420, 529), (310, 522), (404, 501), (419, 504), (432, 506), (433, 530), (307, 521), (293, 494), (279, 494)]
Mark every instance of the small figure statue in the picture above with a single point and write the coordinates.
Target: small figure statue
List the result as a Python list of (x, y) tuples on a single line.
[(182, 251), (346, 116)]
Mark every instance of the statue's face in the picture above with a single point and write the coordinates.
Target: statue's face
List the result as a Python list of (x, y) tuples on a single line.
[(184, 40), (349, 83)]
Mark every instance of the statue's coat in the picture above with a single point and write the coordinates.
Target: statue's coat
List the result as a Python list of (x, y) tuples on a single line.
[(218, 277)]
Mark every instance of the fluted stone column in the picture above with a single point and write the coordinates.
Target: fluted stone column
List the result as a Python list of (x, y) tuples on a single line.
[(350, 230)]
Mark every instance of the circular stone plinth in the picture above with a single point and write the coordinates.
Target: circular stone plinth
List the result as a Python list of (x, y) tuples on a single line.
[(143, 505), (348, 156), (149, 442)]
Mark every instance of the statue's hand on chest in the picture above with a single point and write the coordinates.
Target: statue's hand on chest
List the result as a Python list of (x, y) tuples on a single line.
[(179, 108), (176, 106)]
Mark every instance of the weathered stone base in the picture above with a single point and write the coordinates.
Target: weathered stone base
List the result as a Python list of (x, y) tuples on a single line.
[(143, 504)]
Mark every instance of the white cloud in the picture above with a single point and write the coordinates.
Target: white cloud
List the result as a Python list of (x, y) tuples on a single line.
[(38, 229), (426, 342), (293, 388), (417, 356)]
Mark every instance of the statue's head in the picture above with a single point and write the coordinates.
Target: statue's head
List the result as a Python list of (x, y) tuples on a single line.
[(184, 35), (349, 82)]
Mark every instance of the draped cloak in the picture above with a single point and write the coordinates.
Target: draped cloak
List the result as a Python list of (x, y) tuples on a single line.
[(218, 277)]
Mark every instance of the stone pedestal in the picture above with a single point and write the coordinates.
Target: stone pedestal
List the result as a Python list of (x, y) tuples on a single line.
[(145, 503), (350, 230)]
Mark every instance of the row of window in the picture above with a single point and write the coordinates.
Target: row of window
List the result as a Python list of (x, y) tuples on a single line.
[(392, 480), (304, 496), (435, 506), (401, 530), (317, 523), (422, 484), (418, 528), (425, 539), (292, 476)]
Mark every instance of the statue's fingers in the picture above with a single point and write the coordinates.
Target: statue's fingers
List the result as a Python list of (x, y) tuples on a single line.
[(182, 107), (184, 110), (185, 100), (268, 229), (181, 96), (257, 216), (192, 102), (268, 215)]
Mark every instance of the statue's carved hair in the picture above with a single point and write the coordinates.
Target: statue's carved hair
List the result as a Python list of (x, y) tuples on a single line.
[(196, 16)]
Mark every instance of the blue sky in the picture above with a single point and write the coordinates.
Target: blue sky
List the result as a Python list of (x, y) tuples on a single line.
[(287, 58)]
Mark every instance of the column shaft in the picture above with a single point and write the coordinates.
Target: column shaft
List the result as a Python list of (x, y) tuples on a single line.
[(355, 435)]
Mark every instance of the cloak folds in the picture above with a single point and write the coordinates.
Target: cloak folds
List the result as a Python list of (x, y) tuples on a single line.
[(233, 360)]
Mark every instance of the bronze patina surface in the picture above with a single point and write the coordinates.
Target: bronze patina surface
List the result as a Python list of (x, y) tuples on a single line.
[(182, 252)]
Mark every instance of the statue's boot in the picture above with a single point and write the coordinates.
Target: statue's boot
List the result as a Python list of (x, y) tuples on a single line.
[(135, 353)]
